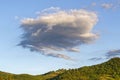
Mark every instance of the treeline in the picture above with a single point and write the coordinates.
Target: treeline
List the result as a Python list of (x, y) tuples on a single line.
[(106, 71), (47, 76), (109, 70)]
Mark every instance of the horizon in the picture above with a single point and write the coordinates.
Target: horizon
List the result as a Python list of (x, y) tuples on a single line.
[(62, 68), (42, 36)]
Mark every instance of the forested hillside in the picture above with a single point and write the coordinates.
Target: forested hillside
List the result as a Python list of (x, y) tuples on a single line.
[(106, 71), (109, 70)]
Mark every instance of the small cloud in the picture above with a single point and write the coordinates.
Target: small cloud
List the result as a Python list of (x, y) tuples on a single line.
[(38, 12), (107, 5), (96, 58), (113, 53), (94, 4), (57, 55), (109, 54), (48, 10), (16, 17)]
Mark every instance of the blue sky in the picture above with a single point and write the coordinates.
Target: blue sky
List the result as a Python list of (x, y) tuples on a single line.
[(16, 59)]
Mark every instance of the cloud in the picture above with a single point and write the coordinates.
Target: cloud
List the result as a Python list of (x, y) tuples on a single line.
[(96, 58), (109, 54), (93, 4), (48, 10), (113, 53), (59, 31), (57, 55), (114, 5), (51, 9), (107, 5), (16, 17), (74, 50)]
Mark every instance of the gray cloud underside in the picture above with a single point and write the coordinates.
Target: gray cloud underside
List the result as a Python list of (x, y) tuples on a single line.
[(59, 31)]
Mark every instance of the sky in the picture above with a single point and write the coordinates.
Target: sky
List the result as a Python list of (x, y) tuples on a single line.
[(38, 36)]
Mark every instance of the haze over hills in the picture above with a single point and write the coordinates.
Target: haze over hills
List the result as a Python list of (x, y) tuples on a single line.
[(109, 70)]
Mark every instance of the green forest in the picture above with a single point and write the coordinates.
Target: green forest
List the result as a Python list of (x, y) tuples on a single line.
[(109, 70)]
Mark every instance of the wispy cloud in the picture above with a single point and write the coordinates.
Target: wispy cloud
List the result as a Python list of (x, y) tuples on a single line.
[(109, 54), (59, 30), (57, 55), (94, 4), (95, 58), (16, 17), (74, 50), (113, 5), (107, 5), (113, 53)]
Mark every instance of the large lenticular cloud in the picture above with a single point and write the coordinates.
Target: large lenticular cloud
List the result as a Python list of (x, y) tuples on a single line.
[(54, 32)]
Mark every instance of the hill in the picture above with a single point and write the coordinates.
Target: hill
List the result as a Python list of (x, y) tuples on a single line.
[(109, 70), (47, 76)]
